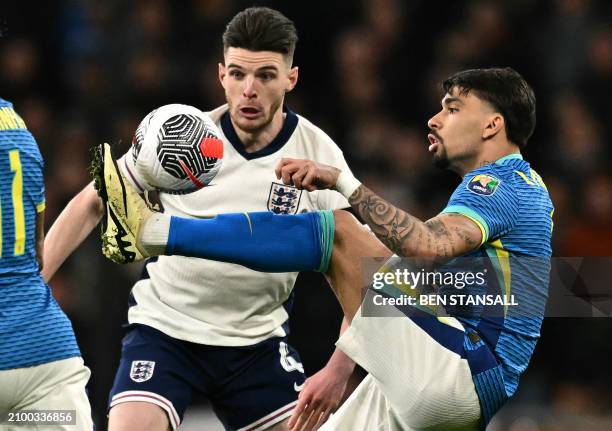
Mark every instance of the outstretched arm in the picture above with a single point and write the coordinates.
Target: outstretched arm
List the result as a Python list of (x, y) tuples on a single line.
[(71, 228), (445, 235)]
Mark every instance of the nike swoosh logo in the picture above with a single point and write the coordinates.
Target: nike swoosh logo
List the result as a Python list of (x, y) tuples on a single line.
[(297, 387), (192, 177), (250, 228)]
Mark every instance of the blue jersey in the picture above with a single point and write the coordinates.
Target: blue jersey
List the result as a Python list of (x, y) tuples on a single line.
[(511, 206), (33, 329)]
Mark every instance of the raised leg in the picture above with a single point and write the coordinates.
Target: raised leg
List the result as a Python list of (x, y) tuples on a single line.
[(352, 243)]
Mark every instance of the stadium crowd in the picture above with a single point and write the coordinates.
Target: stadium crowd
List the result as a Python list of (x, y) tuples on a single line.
[(85, 72)]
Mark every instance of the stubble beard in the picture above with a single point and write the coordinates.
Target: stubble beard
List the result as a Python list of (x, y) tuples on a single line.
[(441, 162), (253, 128)]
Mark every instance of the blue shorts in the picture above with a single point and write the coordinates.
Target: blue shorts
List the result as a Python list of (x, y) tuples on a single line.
[(250, 387)]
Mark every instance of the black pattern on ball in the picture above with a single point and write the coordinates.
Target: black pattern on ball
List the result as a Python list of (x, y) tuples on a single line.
[(179, 140)]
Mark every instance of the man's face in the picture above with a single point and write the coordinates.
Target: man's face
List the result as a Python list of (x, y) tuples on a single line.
[(458, 130), (255, 84)]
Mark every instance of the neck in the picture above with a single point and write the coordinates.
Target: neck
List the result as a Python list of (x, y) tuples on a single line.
[(493, 151), (256, 140)]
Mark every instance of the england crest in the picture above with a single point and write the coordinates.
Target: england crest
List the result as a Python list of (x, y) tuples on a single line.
[(284, 199), (142, 371)]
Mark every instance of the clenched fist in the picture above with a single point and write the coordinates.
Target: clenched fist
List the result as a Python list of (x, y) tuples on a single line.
[(306, 174)]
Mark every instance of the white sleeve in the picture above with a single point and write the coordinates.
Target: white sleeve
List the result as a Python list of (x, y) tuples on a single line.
[(331, 200), (128, 169)]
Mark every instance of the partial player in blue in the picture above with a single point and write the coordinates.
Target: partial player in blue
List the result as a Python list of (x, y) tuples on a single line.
[(425, 371), (40, 363)]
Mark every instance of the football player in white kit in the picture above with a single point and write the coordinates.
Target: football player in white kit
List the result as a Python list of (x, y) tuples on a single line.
[(219, 329)]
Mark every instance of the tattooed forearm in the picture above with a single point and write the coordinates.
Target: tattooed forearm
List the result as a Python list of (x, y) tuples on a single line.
[(406, 235), (389, 224), (446, 242), (472, 243)]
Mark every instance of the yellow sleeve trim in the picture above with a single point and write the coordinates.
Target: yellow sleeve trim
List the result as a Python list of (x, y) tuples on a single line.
[(480, 226), (472, 215), (523, 176), (40, 207)]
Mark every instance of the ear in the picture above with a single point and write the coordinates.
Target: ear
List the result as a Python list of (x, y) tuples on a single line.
[(292, 78), (222, 73), (494, 125)]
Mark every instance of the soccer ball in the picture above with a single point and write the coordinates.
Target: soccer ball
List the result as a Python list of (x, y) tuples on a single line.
[(176, 149)]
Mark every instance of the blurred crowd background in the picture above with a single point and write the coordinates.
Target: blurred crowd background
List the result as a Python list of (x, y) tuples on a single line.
[(85, 72)]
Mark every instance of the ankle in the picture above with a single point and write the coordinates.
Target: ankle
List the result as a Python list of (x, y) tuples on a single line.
[(154, 234)]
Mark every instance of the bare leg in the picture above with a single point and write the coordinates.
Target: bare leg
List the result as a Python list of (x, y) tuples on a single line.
[(134, 415), (352, 242), (281, 426)]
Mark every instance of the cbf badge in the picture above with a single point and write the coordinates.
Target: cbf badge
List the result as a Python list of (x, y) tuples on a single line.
[(483, 184), (142, 371), (284, 199)]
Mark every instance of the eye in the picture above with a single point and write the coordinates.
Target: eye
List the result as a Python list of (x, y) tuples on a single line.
[(266, 76), (236, 74), (452, 110)]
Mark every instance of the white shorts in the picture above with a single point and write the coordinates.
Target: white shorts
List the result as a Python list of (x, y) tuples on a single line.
[(414, 382), (57, 385)]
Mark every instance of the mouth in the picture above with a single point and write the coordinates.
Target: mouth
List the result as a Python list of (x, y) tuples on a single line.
[(434, 143), (249, 112)]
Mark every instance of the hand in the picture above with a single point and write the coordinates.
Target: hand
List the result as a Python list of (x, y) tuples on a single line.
[(320, 397), (306, 174)]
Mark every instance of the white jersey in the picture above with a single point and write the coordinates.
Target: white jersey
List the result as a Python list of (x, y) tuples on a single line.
[(217, 303)]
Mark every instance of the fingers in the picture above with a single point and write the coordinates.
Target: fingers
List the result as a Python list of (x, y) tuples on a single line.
[(323, 418), (287, 172), (293, 171), (313, 419), (308, 182), (298, 410), (298, 177), (309, 414), (298, 420), (284, 161), (307, 419)]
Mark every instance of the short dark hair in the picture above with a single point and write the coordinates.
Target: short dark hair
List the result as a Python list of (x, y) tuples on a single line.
[(507, 92), (261, 29)]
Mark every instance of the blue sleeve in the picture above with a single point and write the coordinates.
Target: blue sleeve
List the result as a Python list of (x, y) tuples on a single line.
[(489, 201)]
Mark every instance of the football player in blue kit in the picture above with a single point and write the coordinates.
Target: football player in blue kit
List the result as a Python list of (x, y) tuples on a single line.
[(425, 371), (40, 363)]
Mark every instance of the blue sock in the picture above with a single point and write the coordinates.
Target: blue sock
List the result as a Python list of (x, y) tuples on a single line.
[(261, 240)]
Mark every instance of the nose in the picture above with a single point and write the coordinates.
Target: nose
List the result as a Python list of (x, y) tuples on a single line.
[(249, 87), (434, 122)]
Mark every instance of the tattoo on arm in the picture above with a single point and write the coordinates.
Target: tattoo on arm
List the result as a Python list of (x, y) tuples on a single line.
[(406, 235), (464, 236), (389, 224)]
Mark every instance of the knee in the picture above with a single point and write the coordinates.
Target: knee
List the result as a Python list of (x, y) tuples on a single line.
[(345, 224), (352, 237), (436, 405)]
